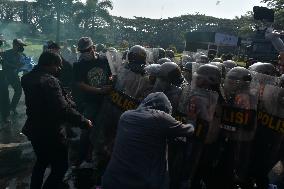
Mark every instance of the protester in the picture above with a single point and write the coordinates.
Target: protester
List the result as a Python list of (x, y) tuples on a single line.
[(11, 66), (66, 76), (92, 80), (4, 94), (48, 107), (139, 157)]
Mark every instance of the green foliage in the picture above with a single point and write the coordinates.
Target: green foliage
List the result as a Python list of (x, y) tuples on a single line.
[(71, 19), (276, 4)]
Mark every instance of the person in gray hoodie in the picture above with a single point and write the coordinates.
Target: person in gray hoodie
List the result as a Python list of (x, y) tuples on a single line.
[(139, 158)]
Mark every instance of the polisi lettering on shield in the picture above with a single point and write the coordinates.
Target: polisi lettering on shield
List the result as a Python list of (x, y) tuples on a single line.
[(123, 101), (271, 122), (234, 118)]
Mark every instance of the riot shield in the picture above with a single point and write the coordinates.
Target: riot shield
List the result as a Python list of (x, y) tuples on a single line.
[(269, 133), (259, 81), (239, 111), (153, 69), (271, 112), (115, 61), (201, 108), (132, 84), (238, 126), (150, 56), (184, 98)]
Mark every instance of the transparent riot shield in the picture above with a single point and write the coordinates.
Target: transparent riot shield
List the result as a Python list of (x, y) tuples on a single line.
[(271, 112), (269, 133), (259, 81), (239, 110), (238, 126), (150, 56), (115, 61), (184, 98), (201, 109), (132, 84)]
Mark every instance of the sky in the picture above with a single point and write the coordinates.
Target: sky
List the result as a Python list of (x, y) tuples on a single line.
[(171, 8)]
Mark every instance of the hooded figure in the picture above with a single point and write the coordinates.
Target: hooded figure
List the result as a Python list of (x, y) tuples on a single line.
[(139, 158)]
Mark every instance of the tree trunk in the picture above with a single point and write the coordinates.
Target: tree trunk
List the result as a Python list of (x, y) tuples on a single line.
[(58, 13)]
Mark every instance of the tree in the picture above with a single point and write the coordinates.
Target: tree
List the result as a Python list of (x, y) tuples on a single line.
[(278, 6), (52, 8), (275, 4), (96, 14)]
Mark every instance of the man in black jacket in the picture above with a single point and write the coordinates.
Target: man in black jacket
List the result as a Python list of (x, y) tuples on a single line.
[(4, 94), (48, 107), (66, 75)]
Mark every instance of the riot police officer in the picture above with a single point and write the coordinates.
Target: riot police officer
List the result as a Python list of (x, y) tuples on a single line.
[(203, 99), (238, 125), (267, 139), (131, 86), (169, 81)]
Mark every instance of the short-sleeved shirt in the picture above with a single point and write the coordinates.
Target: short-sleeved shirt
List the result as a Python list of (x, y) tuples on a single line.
[(96, 73)]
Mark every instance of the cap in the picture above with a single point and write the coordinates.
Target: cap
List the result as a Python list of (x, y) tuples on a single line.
[(84, 43), (19, 42)]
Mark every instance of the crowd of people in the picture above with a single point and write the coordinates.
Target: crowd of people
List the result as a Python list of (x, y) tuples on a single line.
[(148, 121)]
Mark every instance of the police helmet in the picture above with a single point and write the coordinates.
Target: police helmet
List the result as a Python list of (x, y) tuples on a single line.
[(171, 72), (137, 55), (208, 76), (237, 79), (221, 67), (229, 64), (264, 68), (203, 59), (217, 60), (163, 60)]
